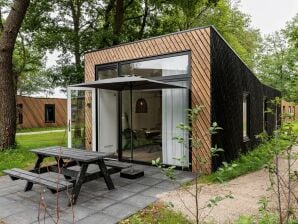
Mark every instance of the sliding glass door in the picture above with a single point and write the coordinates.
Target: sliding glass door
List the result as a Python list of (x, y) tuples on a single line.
[(81, 118), (155, 114), (146, 125)]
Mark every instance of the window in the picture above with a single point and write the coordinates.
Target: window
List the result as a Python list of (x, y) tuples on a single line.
[(106, 71), (283, 109), (19, 113), (289, 109), (49, 113), (245, 107), (276, 115), (265, 115), (159, 66), (166, 66)]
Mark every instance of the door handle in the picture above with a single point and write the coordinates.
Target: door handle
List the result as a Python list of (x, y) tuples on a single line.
[(68, 125)]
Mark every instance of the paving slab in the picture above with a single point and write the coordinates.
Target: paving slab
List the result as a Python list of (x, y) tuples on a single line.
[(10, 208), (135, 187), (121, 210), (140, 201), (118, 194), (76, 213), (99, 217), (98, 203), (168, 185), (52, 221), (153, 192), (95, 203), (150, 181), (25, 217)]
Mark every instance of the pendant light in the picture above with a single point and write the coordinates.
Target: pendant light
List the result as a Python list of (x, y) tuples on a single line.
[(141, 106)]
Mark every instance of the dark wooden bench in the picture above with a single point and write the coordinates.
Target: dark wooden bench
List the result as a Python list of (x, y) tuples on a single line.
[(116, 164), (53, 184)]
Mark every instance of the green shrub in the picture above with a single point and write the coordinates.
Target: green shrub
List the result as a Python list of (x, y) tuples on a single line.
[(264, 218), (157, 214), (251, 161)]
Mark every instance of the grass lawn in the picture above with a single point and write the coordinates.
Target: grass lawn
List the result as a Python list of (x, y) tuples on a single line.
[(249, 162), (23, 130), (157, 214), (295, 123), (21, 157)]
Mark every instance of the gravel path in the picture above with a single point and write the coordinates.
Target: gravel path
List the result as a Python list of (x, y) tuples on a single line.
[(247, 191)]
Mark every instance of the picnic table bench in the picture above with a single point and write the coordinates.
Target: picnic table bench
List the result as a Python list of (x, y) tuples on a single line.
[(67, 158)]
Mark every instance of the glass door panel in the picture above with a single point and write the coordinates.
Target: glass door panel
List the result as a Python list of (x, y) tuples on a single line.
[(108, 121), (146, 120), (81, 118)]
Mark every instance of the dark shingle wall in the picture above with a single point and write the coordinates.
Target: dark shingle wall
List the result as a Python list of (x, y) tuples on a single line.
[(230, 78)]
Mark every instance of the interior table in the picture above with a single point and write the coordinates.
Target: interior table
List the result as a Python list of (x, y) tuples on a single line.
[(82, 158)]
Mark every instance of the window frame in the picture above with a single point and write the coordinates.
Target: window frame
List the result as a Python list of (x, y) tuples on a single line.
[(174, 78), (106, 66), (283, 109), (246, 96), (181, 77), (45, 113), (265, 114)]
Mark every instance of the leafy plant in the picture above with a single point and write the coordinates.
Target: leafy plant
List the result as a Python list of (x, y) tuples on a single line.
[(226, 167), (195, 142), (157, 214), (281, 182), (167, 170)]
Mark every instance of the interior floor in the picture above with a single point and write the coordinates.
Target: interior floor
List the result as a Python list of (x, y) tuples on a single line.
[(144, 153)]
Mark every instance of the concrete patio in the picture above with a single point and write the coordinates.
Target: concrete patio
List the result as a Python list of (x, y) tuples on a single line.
[(96, 204)]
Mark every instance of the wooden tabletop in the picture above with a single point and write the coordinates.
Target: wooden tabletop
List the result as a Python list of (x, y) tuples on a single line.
[(71, 153)]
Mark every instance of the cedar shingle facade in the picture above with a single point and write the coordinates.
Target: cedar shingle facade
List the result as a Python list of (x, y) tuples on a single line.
[(218, 80), (32, 112)]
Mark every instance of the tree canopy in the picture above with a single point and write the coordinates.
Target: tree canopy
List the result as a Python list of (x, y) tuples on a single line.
[(29, 30), (72, 27), (277, 60)]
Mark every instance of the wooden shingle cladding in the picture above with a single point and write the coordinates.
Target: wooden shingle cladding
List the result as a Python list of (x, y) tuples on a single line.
[(289, 107), (230, 80), (197, 42), (33, 112)]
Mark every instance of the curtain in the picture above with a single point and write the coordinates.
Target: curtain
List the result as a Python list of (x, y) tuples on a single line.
[(174, 105)]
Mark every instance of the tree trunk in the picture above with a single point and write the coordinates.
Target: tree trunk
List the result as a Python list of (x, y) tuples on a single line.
[(1, 24), (107, 22), (76, 15), (7, 76), (118, 21), (144, 20)]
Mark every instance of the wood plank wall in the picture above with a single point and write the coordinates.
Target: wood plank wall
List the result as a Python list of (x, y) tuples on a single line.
[(293, 107), (198, 42), (34, 112)]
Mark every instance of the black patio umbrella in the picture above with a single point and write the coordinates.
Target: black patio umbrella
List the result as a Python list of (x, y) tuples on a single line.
[(128, 83)]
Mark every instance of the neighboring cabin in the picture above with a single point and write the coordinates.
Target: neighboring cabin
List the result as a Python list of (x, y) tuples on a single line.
[(215, 77), (289, 108), (35, 112)]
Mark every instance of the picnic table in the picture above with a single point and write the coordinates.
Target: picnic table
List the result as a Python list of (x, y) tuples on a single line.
[(67, 158)]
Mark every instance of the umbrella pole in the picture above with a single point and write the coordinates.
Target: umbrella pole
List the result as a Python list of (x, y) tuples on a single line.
[(131, 173)]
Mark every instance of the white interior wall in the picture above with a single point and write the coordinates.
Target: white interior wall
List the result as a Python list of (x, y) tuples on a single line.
[(149, 120)]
